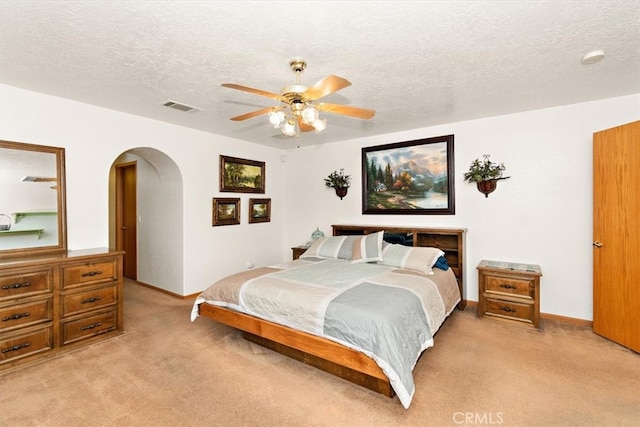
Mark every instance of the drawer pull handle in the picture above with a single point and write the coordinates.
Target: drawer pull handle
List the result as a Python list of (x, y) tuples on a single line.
[(91, 273), (508, 309), (91, 326), (508, 286), (90, 300), (16, 286), (16, 347), (16, 316)]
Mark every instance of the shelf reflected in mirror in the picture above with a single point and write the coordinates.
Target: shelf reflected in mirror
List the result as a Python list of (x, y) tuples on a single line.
[(32, 199)]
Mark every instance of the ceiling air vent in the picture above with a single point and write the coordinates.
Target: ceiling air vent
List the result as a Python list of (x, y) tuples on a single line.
[(181, 107)]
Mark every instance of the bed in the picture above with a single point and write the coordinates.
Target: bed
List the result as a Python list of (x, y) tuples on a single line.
[(332, 308)]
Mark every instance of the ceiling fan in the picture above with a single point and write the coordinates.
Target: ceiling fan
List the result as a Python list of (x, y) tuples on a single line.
[(298, 108)]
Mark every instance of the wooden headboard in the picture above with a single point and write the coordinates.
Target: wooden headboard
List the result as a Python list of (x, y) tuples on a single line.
[(449, 240)]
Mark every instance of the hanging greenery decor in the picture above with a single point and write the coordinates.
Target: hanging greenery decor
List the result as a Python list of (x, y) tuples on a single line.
[(339, 181), (485, 174)]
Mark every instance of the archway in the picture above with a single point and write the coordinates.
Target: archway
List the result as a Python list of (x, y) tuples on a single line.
[(159, 200)]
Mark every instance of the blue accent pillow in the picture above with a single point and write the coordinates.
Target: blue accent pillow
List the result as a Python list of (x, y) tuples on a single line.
[(442, 263), (398, 239)]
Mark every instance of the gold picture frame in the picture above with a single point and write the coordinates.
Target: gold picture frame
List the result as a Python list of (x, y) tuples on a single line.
[(226, 211), (241, 175), (259, 210)]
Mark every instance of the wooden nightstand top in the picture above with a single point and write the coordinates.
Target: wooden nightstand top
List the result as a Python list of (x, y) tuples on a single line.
[(515, 267)]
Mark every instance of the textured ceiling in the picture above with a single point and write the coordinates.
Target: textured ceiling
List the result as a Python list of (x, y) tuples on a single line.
[(417, 63)]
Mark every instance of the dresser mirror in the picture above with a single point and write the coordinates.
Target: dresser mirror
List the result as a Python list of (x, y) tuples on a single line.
[(32, 200)]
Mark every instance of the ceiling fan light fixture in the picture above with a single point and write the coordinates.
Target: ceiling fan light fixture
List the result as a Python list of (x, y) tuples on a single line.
[(297, 112), (288, 128), (275, 118), (319, 125), (309, 114)]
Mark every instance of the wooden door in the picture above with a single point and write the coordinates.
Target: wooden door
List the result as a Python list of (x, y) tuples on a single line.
[(126, 218), (616, 234)]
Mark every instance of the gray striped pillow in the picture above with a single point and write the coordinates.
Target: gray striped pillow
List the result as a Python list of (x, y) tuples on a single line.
[(331, 247)]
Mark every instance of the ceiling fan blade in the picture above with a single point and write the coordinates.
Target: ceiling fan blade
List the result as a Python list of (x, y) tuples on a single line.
[(347, 110), (303, 126), (252, 90), (252, 114), (325, 87)]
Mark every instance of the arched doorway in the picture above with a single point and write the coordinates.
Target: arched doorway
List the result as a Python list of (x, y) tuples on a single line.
[(157, 214)]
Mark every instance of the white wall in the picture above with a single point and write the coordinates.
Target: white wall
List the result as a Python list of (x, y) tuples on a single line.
[(541, 215), (94, 137)]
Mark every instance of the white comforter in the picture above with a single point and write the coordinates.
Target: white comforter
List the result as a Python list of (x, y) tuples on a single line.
[(388, 314)]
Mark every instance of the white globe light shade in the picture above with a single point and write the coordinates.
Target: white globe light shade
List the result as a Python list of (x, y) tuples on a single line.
[(288, 128), (320, 125), (309, 115), (275, 118)]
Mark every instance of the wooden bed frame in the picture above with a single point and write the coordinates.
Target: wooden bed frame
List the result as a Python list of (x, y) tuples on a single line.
[(330, 356)]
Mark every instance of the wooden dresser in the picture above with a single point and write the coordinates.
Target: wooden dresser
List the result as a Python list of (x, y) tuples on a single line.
[(56, 303), (509, 292)]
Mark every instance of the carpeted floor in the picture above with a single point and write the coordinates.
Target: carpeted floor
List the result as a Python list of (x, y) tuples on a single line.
[(167, 371)]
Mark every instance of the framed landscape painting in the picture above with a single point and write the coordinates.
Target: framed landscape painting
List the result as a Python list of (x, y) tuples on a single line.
[(241, 175), (226, 211), (259, 210), (411, 177)]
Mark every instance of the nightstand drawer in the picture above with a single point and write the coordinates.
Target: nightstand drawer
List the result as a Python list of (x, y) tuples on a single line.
[(508, 286), (510, 292), (508, 309)]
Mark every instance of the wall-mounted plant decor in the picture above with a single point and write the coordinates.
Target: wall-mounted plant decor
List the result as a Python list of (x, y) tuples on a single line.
[(226, 211), (485, 174), (411, 177), (241, 175), (339, 181)]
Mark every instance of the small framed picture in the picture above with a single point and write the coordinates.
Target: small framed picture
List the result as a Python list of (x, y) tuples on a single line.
[(226, 211), (259, 210), (241, 175)]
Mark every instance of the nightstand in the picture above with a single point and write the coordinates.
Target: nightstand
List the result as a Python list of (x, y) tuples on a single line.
[(298, 250), (509, 292)]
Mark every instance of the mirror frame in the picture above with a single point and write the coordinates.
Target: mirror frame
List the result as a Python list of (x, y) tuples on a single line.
[(62, 208)]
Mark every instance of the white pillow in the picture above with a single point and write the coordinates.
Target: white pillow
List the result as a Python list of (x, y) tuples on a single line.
[(415, 258)]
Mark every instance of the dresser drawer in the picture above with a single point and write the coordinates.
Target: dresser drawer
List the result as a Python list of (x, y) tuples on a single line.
[(80, 302), (30, 313), (88, 326), (89, 273), (25, 344), (508, 286), (26, 283), (508, 309)]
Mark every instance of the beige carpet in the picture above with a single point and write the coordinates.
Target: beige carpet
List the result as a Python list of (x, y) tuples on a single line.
[(167, 371)]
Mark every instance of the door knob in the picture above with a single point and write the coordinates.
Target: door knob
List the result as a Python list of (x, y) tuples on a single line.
[(597, 244)]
